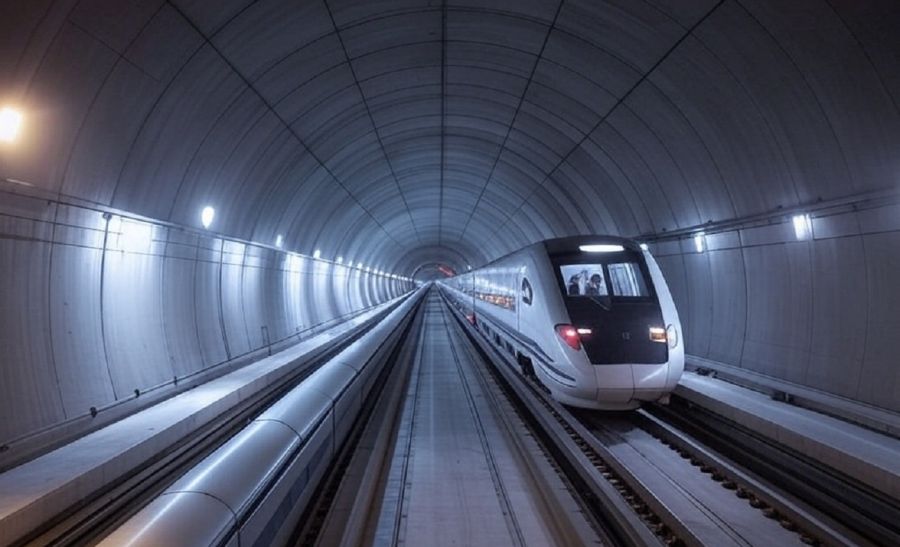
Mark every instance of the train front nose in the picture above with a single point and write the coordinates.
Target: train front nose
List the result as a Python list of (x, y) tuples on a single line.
[(624, 383), (650, 381)]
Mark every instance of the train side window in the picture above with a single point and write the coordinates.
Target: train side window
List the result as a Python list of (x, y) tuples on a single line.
[(527, 291)]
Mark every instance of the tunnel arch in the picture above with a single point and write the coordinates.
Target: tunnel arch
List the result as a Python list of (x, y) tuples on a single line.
[(403, 136)]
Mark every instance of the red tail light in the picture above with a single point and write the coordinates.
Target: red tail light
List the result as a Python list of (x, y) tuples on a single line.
[(570, 336)]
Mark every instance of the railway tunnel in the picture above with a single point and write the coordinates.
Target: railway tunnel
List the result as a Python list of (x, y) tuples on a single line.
[(191, 189)]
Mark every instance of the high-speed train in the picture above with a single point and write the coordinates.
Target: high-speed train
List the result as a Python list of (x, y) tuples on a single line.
[(590, 316)]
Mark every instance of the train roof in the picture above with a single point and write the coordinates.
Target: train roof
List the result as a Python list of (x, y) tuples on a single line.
[(570, 244)]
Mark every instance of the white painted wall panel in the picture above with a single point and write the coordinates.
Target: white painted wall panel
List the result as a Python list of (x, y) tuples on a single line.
[(277, 318), (77, 332), (253, 295), (729, 313), (779, 300), (699, 302), (132, 321), (232, 299), (839, 312), (180, 325), (879, 379), (29, 390)]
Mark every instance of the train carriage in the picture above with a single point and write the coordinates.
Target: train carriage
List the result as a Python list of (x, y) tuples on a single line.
[(590, 316)]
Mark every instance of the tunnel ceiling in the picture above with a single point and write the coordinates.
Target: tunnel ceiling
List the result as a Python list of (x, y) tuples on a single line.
[(410, 133)]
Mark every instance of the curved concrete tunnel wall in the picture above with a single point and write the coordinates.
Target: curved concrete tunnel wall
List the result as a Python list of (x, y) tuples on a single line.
[(409, 134), (821, 312), (97, 306)]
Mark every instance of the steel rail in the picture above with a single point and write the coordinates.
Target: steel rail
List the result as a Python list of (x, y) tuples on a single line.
[(855, 511)]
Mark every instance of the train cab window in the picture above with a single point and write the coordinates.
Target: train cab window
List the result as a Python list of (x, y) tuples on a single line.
[(626, 280), (527, 291), (584, 279), (617, 279)]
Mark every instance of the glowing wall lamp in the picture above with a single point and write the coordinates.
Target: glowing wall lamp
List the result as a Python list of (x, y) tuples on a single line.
[(317, 253), (207, 215), (802, 226), (700, 242), (10, 123), (279, 240)]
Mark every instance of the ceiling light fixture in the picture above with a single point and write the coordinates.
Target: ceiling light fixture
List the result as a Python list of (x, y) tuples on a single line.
[(601, 248)]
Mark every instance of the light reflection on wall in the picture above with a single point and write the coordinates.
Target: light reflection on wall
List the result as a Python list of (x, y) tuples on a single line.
[(293, 285), (134, 236), (341, 287)]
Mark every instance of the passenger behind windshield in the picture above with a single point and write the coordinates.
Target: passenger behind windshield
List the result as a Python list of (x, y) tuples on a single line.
[(584, 280), (625, 279)]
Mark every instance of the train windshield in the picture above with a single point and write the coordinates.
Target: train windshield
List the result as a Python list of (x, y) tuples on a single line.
[(622, 279), (611, 295)]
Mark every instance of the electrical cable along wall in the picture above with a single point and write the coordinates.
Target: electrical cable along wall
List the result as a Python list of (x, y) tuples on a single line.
[(101, 307)]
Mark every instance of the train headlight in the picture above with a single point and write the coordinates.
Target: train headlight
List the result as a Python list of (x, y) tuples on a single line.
[(672, 336), (658, 334)]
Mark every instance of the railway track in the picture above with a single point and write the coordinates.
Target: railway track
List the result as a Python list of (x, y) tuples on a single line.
[(714, 501), (648, 482), (862, 514), (562, 506), (386, 509)]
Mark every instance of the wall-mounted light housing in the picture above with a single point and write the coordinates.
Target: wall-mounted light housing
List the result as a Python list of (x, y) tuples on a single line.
[(10, 123), (339, 260), (802, 226), (700, 242), (601, 248), (279, 240), (317, 254), (207, 215)]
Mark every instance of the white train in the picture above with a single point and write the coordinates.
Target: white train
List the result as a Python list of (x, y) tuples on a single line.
[(590, 316)]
